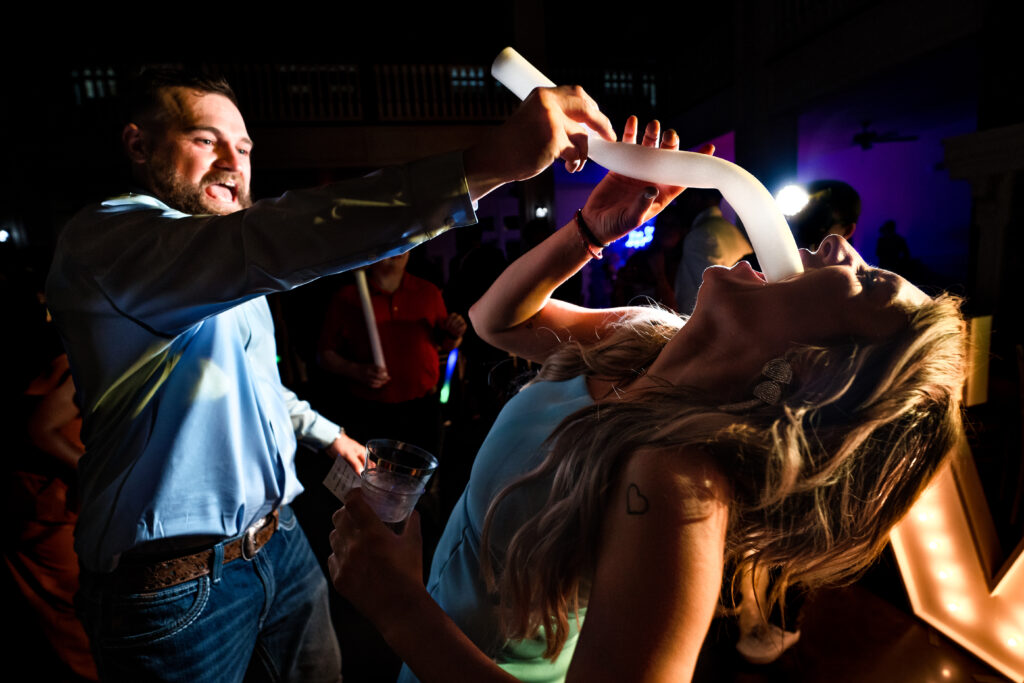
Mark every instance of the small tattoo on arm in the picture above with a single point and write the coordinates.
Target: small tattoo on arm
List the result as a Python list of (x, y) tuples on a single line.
[(636, 502)]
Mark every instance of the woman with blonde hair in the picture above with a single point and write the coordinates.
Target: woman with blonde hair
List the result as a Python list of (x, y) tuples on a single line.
[(786, 425)]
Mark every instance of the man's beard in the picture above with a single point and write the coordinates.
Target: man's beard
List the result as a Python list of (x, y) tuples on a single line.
[(182, 195)]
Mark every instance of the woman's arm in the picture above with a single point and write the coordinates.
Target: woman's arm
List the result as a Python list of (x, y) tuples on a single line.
[(380, 573), (654, 593), (659, 571), (518, 315)]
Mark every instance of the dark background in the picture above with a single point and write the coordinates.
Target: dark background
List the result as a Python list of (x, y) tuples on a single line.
[(787, 84)]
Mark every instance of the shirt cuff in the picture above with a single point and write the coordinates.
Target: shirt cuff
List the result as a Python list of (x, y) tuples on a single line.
[(321, 433), (443, 176)]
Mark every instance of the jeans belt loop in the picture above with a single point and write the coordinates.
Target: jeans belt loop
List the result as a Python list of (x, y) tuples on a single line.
[(217, 563)]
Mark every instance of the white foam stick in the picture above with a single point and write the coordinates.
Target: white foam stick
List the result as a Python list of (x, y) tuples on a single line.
[(515, 73), (769, 233), (371, 321)]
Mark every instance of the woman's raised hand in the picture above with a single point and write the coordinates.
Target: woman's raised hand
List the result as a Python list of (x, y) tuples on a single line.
[(619, 203)]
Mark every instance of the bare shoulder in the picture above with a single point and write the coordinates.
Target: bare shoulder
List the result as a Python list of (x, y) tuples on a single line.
[(659, 570), (686, 485)]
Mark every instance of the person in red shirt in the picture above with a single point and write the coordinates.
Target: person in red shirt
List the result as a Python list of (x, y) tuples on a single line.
[(397, 401)]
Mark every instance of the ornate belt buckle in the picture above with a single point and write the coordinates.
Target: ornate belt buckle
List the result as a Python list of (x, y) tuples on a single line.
[(249, 548)]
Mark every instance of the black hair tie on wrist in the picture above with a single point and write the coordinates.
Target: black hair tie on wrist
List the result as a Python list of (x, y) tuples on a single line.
[(590, 242), (586, 231)]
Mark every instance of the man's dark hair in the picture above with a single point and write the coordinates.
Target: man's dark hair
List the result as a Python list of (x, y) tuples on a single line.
[(831, 202), (840, 197), (143, 103)]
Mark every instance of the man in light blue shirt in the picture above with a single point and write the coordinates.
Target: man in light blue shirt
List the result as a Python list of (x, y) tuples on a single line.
[(194, 567)]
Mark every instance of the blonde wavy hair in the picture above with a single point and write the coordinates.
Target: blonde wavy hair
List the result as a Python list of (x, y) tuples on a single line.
[(817, 481)]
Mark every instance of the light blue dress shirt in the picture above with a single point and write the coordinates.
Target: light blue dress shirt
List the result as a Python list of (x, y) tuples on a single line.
[(188, 430)]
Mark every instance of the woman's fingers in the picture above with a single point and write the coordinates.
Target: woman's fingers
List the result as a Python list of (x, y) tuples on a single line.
[(642, 204), (629, 130), (652, 133), (670, 140)]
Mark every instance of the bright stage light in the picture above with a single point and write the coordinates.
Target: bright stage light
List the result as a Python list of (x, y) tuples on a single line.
[(791, 199)]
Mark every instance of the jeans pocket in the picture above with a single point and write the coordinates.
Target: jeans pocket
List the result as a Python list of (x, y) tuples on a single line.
[(131, 620), (286, 518)]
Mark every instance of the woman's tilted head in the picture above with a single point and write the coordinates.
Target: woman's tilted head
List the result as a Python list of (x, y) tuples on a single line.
[(838, 296), (818, 477)]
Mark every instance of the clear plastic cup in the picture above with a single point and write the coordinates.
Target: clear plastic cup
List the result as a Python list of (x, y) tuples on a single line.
[(392, 496), (401, 458), (395, 477)]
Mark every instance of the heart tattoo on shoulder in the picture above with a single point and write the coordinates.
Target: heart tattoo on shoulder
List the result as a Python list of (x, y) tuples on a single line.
[(636, 502)]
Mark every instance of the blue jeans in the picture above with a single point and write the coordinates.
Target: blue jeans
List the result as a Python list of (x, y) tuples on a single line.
[(264, 619)]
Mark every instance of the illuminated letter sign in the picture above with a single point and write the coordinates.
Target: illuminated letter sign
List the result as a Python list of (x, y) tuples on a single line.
[(945, 550)]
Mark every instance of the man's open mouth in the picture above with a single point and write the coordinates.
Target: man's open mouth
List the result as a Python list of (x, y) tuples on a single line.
[(226, 191)]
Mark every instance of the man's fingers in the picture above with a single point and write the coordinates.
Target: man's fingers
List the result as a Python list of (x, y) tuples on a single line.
[(581, 107), (575, 152), (355, 460), (706, 148)]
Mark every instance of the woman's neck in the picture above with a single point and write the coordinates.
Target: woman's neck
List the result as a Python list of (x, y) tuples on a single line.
[(719, 367)]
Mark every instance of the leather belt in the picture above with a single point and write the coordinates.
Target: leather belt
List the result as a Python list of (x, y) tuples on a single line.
[(141, 577)]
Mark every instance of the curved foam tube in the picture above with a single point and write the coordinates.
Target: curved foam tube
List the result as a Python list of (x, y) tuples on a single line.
[(766, 226)]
